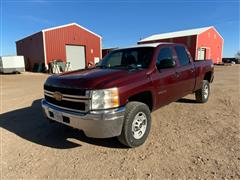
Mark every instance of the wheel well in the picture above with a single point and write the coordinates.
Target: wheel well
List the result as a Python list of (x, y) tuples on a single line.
[(144, 97), (208, 76)]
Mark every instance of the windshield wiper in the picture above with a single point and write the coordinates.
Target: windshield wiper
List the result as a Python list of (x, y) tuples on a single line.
[(101, 66), (130, 66), (133, 66)]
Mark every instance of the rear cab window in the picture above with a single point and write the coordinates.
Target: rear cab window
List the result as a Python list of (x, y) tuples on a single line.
[(182, 55)]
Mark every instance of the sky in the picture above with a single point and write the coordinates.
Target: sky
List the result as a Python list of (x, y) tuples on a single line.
[(120, 23)]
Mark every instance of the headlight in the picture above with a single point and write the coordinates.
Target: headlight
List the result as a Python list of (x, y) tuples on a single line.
[(104, 99)]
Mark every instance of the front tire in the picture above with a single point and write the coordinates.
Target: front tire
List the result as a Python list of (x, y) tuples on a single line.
[(136, 126), (202, 94)]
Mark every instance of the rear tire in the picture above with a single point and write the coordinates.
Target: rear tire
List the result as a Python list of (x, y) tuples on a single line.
[(136, 126), (202, 94)]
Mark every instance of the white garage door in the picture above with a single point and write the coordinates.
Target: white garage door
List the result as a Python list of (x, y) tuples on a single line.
[(76, 56)]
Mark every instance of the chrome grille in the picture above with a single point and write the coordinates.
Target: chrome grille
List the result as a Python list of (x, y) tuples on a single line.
[(79, 103)]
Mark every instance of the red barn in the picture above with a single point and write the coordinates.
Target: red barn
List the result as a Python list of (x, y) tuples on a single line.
[(106, 51), (203, 43), (69, 43)]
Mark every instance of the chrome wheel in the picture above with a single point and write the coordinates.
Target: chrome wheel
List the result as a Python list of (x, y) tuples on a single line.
[(139, 125), (205, 91)]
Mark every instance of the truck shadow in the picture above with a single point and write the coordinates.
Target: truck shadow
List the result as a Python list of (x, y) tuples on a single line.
[(184, 100), (29, 123)]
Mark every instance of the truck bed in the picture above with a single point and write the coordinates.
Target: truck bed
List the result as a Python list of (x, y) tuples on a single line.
[(201, 68)]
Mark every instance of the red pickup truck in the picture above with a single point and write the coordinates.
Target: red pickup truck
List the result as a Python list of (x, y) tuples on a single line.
[(116, 97)]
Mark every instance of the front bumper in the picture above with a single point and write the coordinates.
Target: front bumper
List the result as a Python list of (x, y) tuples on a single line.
[(97, 124)]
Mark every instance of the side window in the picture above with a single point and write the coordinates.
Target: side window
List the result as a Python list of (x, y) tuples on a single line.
[(165, 53), (182, 55)]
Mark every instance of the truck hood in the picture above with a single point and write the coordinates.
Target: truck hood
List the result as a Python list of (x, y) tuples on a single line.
[(93, 78)]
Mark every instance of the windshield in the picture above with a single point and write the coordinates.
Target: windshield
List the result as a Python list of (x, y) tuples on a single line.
[(128, 58)]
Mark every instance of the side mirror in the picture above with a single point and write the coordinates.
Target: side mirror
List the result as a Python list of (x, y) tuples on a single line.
[(166, 63)]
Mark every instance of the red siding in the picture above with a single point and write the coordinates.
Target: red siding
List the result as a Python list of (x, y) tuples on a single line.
[(32, 49), (56, 39), (107, 51), (214, 44), (189, 41)]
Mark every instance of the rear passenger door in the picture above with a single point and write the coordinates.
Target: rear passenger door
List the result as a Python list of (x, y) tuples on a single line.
[(185, 71)]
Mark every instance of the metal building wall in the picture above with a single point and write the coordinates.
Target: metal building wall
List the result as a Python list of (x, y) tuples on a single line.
[(214, 44), (32, 49), (189, 41), (57, 39)]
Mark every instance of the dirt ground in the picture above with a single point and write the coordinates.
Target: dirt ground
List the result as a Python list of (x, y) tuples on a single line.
[(187, 139)]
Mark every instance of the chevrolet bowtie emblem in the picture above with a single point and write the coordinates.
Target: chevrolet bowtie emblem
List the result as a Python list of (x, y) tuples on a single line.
[(58, 96)]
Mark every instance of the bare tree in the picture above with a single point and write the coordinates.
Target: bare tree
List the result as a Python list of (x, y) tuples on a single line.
[(237, 56)]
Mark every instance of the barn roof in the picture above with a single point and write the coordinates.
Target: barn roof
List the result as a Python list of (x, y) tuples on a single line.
[(146, 45), (62, 26), (150, 44), (71, 24), (183, 33)]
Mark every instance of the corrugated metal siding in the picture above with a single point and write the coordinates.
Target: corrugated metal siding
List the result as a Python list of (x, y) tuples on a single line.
[(189, 41), (32, 49), (55, 41), (214, 42)]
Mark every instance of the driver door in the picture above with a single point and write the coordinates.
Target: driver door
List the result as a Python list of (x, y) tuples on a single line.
[(165, 79)]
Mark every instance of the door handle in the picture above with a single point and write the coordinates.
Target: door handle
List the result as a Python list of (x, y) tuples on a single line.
[(192, 70)]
